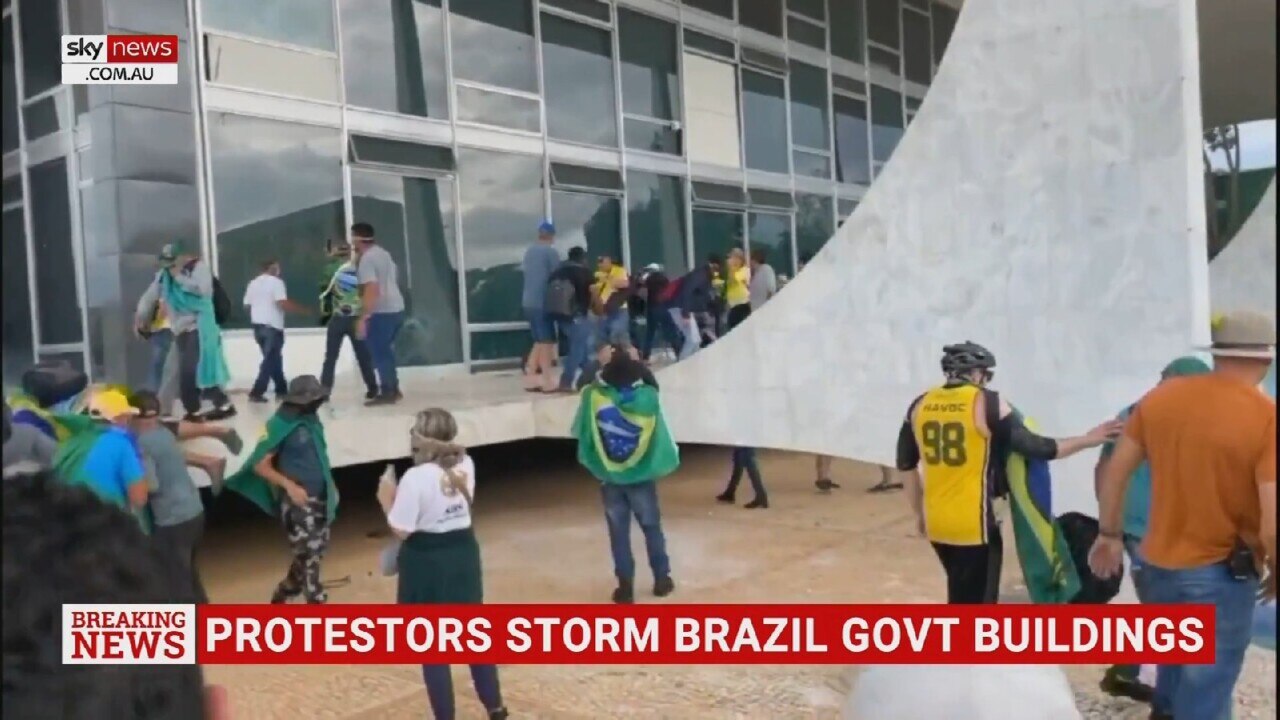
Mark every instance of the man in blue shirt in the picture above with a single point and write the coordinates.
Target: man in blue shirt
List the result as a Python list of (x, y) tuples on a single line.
[(1122, 680), (540, 260), (112, 467)]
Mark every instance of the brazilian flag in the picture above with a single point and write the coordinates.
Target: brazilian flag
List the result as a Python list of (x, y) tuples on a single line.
[(622, 435), (1043, 551)]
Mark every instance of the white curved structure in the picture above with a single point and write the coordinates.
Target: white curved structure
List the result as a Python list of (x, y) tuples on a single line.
[(961, 692), (1243, 275)]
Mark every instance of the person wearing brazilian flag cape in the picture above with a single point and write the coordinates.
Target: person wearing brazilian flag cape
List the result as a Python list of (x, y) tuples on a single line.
[(288, 475), (953, 450), (623, 441)]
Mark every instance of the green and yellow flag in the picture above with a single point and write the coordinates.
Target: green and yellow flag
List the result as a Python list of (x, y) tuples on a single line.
[(622, 435), (1043, 552)]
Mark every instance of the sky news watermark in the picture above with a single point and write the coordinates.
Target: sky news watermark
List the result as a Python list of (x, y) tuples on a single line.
[(120, 59)]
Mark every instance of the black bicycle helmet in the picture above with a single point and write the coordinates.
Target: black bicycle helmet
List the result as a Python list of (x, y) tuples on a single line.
[(966, 357)]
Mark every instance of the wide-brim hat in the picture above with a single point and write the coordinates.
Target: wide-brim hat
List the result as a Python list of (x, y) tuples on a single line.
[(1243, 334), (305, 390)]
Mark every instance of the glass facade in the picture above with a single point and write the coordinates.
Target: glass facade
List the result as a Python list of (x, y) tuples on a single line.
[(656, 132)]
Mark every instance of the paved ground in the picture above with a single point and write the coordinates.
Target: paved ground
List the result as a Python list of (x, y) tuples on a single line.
[(542, 537)]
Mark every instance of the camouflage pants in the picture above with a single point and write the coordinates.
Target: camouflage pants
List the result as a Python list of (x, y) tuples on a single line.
[(308, 532)]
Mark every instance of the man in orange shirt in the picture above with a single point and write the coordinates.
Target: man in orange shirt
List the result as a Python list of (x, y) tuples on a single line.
[(1211, 444)]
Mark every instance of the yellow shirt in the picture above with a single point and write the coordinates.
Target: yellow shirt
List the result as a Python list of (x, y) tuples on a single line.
[(161, 319), (604, 286), (737, 290), (954, 457)]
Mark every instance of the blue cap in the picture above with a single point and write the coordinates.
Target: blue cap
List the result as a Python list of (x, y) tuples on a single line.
[(546, 228)]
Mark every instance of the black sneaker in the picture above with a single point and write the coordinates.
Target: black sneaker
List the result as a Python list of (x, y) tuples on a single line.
[(725, 497), (221, 412), (1118, 685), (370, 394), (379, 400), (760, 503), (257, 399), (499, 714), (193, 417), (233, 441), (663, 586), (825, 485), (625, 593)]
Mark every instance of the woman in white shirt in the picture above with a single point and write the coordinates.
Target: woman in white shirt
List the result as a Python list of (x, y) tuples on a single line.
[(439, 560)]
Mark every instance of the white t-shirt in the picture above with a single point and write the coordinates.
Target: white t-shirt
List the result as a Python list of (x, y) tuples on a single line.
[(426, 502), (263, 297)]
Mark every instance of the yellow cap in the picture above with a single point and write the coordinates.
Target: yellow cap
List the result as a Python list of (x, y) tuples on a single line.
[(110, 404)]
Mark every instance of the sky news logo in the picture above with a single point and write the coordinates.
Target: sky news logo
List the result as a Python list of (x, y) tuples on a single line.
[(120, 59)]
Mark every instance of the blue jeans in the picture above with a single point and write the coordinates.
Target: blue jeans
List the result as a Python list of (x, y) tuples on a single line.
[(615, 326), (161, 341), (691, 339), (578, 331), (380, 336), (271, 342), (1140, 587), (1204, 692), (641, 500), (541, 326)]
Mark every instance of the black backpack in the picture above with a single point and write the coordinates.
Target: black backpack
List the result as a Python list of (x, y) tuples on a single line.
[(221, 303), (561, 300), (1080, 531)]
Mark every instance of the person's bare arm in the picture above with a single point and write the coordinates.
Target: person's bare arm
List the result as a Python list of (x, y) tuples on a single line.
[(1114, 482), (1037, 446), (266, 469), (1267, 531), (139, 491), (289, 305)]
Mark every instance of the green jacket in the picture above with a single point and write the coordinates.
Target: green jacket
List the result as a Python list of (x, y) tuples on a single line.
[(255, 488), (622, 435)]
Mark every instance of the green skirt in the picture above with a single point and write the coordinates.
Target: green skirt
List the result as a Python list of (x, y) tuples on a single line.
[(440, 568)]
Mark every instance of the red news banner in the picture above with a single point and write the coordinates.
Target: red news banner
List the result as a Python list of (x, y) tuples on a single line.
[(637, 634)]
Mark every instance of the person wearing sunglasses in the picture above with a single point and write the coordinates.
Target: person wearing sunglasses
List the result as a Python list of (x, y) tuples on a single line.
[(952, 450)]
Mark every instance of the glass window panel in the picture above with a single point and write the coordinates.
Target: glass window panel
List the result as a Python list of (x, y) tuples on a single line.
[(12, 191), (393, 56), (650, 82), (41, 28), (711, 99), (918, 4), (74, 358), (384, 151), (770, 198), (814, 224), (246, 64), (848, 34), (884, 59), (414, 221), (715, 232), (809, 94), (845, 208), (886, 122), (882, 22), (705, 192), (853, 157), (18, 343), (651, 136), (564, 175), (912, 103), (808, 164), (807, 33), (43, 117), (590, 221), (277, 191), (577, 71), (9, 84), (299, 22), (501, 208), (917, 54), (815, 9), (589, 8), (944, 23), (709, 44), (858, 87), (492, 42), (57, 301), (494, 108), (768, 61), (762, 15), (500, 345), (771, 232), (723, 8), (656, 221), (764, 119)]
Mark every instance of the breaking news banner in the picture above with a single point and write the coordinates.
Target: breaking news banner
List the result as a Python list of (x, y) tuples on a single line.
[(120, 59), (653, 634)]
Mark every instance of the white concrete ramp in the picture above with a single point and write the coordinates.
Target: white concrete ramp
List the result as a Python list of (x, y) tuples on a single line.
[(1243, 275)]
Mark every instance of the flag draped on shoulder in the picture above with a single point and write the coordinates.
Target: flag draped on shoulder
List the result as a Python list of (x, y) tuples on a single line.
[(79, 435), (622, 434), (1043, 551), (255, 488)]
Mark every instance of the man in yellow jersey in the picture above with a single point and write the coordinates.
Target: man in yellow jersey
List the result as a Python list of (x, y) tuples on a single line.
[(952, 451)]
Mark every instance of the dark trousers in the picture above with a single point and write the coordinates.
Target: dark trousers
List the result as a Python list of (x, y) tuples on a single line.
[(439, 682), (973, 571), (744, 459), (179, 544), (188, 344), (271, 342), (737, 314), (658, 319), (342, 327)]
